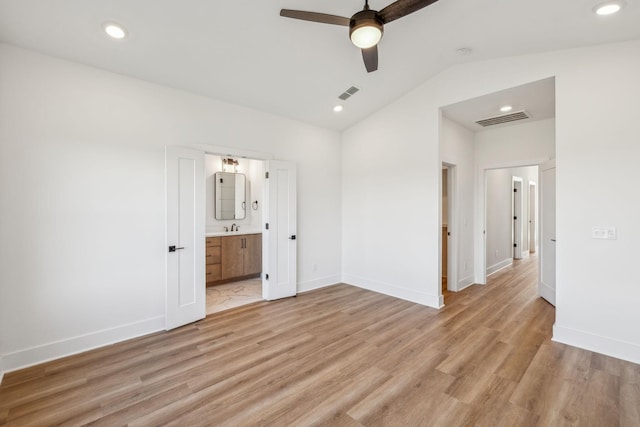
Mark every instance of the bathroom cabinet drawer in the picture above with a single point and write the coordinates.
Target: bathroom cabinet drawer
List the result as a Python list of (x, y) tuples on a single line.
[(213, 255), (213, 241), (214, 272)]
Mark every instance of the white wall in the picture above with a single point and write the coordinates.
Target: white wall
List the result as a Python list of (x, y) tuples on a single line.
[(596, 150), (457, 148), (82, 215)]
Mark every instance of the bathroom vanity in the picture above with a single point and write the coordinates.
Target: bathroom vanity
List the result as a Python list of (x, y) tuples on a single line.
[(233, 257)]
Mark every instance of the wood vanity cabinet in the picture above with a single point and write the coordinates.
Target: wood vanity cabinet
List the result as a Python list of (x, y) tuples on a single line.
[(213, 259), (232, 257), (241, 255)]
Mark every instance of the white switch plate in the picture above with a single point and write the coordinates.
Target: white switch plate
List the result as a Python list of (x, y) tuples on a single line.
[(604, 233)]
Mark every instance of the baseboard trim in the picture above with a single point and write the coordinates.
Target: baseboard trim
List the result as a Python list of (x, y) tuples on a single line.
[(1, 369), (499, 266), (599, 344), (58, 349), (435, 301), (465, 283), (322, 282)]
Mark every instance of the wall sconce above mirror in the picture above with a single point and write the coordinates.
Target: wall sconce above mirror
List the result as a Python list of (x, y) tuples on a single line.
[(230, 195), (229, 164)]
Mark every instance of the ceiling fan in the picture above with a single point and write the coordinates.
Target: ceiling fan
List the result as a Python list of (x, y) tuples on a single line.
[(365, 27)]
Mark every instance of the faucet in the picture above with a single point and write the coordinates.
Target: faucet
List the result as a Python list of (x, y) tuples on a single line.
[(226, 229), (234, 226)]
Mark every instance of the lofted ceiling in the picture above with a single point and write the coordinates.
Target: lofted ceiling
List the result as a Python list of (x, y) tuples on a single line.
[(244, 53)]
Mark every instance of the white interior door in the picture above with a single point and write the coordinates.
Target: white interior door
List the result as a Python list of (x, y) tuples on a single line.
[(532, 218), (517, 217), (186, 290), (280, 244), (547, 278)]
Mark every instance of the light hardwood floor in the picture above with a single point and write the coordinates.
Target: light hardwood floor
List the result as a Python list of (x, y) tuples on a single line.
[(341, 356)]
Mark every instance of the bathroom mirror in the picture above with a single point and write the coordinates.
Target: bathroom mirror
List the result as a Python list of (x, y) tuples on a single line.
[(230, 195)]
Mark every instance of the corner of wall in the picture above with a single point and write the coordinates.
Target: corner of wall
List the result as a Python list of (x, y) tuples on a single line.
[(599, 344), (322, 282), (499, 266), (434, 301)]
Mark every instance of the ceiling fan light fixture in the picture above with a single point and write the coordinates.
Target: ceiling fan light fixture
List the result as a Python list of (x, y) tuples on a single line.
[(365, 29)]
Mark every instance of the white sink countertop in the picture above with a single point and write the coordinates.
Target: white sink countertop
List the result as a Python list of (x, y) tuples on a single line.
[(233, 233)]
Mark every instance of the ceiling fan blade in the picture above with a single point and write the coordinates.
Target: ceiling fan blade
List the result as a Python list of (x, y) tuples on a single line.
[(402, 8), (370, 56), (322, 18)]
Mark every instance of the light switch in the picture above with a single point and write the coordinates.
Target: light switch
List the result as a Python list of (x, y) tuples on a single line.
[(604, 233)]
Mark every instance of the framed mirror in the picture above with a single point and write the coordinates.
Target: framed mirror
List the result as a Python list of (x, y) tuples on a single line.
[(230, 195)]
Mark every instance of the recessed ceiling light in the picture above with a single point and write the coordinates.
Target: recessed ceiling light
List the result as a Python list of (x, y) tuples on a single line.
[(116, 31), (506, 108), (608, 8), (338, 108)]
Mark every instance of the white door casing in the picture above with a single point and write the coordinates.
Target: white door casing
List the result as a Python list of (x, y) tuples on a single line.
[(185, 217), (280, 242), (547, 225)]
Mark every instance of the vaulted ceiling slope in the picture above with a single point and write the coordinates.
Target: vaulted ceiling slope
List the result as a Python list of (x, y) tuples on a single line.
[(244, 53)]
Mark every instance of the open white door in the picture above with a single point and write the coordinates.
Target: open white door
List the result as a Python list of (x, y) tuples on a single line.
[(516, 183), (279, 243), (547, 277), (186, 290), (532, 218)]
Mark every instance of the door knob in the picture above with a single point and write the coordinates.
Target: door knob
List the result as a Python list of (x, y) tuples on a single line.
[(293, 237)]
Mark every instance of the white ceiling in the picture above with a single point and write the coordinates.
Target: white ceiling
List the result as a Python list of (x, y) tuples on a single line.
[(538, 99), (243, 52)]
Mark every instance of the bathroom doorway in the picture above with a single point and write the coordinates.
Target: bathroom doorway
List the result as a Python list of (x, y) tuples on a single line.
[(234, 191)]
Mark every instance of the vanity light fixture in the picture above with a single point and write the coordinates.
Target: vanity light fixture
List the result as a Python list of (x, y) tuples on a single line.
[(228, 162), (115, 31), (608, 8), (506, 108)]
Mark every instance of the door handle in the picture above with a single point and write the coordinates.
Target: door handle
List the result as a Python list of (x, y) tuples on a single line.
[(553, 240), (173, 248), (293, 237)]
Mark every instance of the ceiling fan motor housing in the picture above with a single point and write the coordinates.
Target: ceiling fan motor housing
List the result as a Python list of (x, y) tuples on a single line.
[(365, 18)]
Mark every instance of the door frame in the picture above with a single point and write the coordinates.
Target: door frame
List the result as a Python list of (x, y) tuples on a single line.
[(452, 228), (218, 150), (480, 242)]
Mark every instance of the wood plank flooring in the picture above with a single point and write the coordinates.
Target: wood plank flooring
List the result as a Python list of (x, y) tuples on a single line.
[(341, 356)]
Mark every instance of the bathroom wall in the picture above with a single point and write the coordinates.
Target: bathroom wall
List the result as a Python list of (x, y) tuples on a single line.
[(254, 173)]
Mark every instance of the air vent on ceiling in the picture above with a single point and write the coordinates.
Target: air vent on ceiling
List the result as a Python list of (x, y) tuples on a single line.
[(347, 93), (505, 118)]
